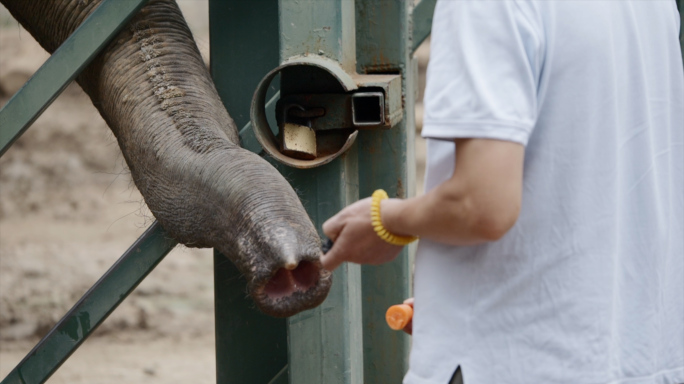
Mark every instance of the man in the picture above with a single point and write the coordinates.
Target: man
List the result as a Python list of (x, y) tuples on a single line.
[(552, 232)]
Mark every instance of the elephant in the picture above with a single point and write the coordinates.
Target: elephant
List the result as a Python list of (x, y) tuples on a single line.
[(182, 148)]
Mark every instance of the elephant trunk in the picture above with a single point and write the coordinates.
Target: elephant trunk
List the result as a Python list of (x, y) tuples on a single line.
[(155, 93)]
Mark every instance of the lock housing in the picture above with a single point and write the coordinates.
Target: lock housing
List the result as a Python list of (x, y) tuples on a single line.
[(321, 110)]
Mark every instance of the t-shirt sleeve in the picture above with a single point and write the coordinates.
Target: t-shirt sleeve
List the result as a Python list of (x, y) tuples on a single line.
[(485, 62)]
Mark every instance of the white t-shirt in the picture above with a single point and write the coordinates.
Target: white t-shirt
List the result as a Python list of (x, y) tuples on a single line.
[(588, 286)]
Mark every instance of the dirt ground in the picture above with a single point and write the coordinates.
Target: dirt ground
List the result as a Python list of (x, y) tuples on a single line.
[(68, 210)]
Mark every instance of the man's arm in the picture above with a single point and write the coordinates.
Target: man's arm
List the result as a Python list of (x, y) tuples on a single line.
[(479, 203)]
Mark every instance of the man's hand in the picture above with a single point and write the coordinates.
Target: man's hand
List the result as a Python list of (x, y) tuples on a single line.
[(409, 327), (354, 237)]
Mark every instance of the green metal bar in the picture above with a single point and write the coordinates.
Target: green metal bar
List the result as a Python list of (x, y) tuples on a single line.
[(93, 308), (421, 17), (244, 48), (325, 343), (383, 45), (281, 377), (62, 67), (250, 346), (680, 7), (320, 27), (248, 139)]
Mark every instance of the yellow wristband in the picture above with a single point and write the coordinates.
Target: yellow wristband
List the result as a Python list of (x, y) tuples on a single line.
[(376, 221)]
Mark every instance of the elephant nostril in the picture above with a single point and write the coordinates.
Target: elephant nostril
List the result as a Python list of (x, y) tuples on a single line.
[(306, 274), (287, 281), (279, 285)]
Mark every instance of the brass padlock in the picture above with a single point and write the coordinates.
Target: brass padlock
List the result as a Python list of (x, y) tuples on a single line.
[(297, 140)]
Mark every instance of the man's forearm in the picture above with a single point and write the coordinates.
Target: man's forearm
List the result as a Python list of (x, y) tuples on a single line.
[(479, 203), (441, 215)]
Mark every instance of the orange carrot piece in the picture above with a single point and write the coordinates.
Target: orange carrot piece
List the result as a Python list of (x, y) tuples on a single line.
[(398, 316)]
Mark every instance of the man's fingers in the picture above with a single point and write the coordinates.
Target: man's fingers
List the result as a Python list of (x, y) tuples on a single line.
[(332, 227), (332, 259), (409, 328)]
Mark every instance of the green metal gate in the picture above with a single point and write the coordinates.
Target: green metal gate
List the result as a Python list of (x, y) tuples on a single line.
[(344, 340)]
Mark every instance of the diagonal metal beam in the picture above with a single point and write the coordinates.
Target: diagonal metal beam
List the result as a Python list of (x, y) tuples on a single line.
[(248, 139), (63, 66), (421, 17), (93, 308)]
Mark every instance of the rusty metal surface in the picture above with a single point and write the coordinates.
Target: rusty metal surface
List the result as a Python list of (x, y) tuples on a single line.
[(384, 46), (319, 82), (335, 108), (326, 343), (317, 74), (391, 85), (330, 66)]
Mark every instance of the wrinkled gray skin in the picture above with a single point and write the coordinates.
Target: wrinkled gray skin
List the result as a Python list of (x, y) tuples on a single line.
[(182, 148)]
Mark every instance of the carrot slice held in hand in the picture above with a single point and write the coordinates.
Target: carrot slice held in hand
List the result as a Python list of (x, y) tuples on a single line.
[(398, 316)]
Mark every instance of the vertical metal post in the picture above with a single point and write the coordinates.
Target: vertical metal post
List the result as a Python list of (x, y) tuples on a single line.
[(384, 46), (344, 340), (250, 346), (326, 342)]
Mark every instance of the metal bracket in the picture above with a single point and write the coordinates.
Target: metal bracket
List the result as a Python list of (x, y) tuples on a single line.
[(336, 111)]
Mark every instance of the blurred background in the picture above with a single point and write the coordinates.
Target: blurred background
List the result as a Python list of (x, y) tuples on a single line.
[(68, 210)]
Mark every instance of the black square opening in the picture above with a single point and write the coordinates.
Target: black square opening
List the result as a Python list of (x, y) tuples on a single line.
[(368, 109)]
